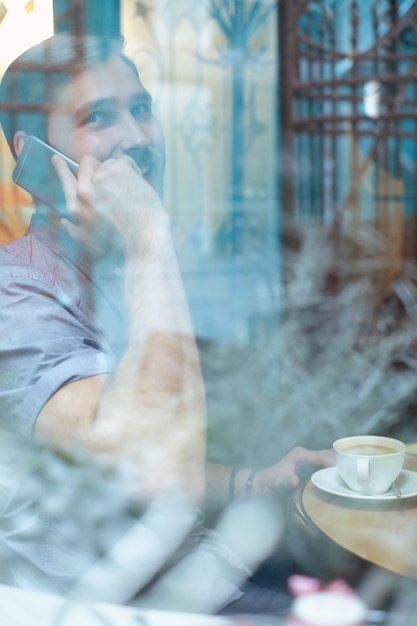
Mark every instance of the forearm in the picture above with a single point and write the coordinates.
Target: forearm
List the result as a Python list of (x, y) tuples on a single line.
[(150, 412), (230, 482), (236, 482), (154, 406)]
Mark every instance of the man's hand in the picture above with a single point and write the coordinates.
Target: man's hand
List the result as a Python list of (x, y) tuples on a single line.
[(110, 196), (286, 473)]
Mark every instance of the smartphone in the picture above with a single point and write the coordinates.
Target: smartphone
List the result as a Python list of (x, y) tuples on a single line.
[(35, 173)]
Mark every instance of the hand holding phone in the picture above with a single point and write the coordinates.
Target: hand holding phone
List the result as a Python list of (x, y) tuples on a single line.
[(35, 173)]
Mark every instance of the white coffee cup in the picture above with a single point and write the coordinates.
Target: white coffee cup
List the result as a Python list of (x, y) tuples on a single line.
[(369, 464)]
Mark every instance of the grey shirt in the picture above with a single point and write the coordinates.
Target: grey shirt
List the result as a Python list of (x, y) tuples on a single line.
[(60, 320)]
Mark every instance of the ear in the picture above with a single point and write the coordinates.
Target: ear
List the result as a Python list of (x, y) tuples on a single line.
[(18, 141)]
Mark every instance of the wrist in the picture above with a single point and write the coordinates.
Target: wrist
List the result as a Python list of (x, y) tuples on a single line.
[(150, 237), (249, 482), (242, 482), (232, 482)]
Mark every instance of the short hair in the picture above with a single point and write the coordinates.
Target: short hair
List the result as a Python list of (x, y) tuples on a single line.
[(32, 83)]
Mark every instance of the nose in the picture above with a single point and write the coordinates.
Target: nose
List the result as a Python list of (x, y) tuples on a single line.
[(133, 133)]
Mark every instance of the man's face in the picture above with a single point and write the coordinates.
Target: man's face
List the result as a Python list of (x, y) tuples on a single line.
[(106, 112)]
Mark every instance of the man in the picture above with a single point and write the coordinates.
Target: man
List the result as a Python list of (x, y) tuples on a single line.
[(105, 113), (97, 349)]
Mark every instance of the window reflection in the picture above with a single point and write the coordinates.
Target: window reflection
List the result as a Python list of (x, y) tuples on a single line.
[(290, 184)]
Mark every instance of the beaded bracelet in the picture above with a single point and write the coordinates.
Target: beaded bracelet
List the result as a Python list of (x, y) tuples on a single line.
[(232, 479), (249, 482)]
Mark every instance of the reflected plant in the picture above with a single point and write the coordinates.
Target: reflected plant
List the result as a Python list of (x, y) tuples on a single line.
[(58, 504), (340, 360), (70, 526)]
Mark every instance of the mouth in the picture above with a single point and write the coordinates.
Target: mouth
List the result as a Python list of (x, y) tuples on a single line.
[(145, 168), (150, 174), (143, 158), (151, 165)]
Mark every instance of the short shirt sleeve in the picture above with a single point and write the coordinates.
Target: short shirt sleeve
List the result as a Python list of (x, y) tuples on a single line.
[(48, 339)]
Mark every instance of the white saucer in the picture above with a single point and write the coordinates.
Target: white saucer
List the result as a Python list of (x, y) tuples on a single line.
[(329, 480)]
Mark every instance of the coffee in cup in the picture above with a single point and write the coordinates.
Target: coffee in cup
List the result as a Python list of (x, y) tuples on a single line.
[(369, 464)]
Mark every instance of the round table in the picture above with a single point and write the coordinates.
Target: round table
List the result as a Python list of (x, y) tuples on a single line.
[(380, 532)]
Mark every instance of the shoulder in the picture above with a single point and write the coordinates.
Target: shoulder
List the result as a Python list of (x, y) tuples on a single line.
[(33, 261), (28, 256)]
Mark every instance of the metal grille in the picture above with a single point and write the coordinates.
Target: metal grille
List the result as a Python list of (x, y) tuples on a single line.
[(348, 106)]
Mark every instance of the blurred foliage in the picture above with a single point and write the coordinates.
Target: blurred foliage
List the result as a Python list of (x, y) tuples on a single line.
[(339, 361)]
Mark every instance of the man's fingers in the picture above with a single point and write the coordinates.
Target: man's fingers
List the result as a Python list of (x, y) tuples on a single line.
[(117, 165), (131, 162), (316, 457), (65, 175)]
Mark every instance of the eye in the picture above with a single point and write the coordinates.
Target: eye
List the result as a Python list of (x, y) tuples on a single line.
[(100, 117), (141, 110)]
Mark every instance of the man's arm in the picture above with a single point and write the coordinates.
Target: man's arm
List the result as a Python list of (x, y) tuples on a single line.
[(151, 412), (223, 482)]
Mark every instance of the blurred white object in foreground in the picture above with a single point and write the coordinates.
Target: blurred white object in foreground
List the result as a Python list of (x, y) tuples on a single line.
[(328, 608), (20, 608)]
